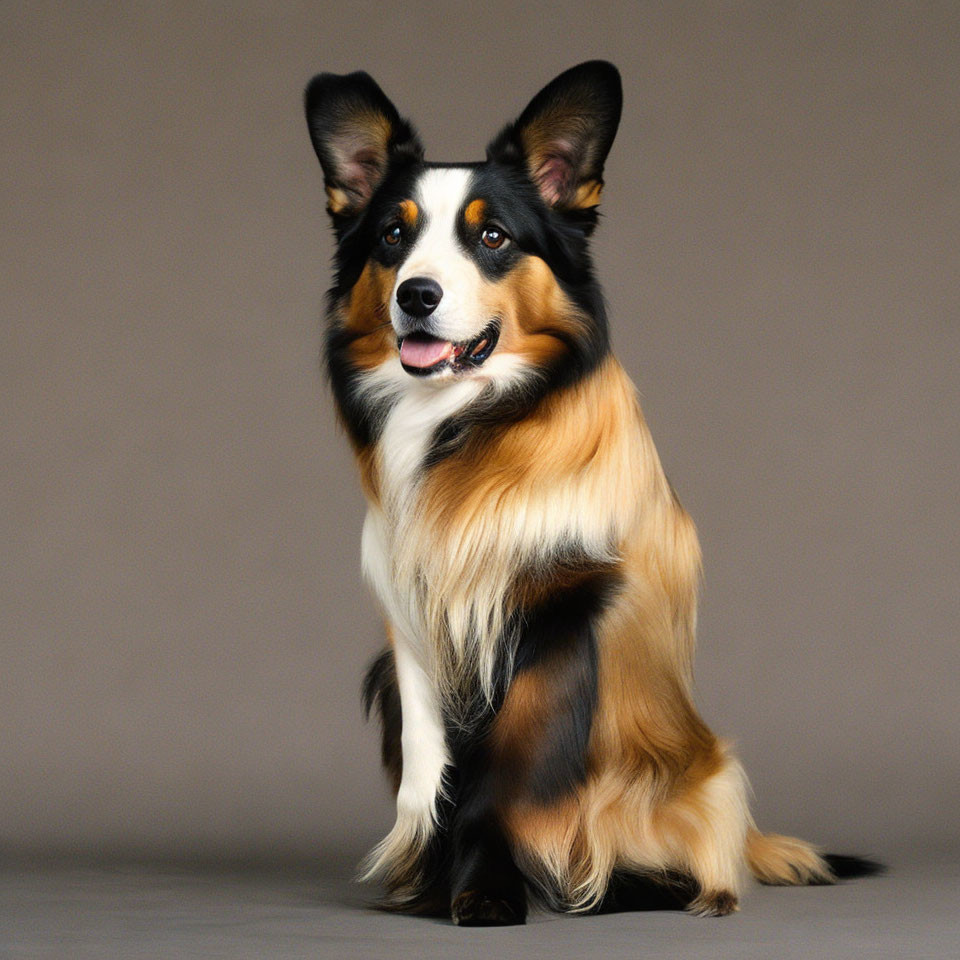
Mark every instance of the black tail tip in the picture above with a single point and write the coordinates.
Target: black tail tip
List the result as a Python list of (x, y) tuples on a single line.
[(846, 868)]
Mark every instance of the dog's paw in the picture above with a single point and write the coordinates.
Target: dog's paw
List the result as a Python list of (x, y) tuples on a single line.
[(717, 903), (473, 908)]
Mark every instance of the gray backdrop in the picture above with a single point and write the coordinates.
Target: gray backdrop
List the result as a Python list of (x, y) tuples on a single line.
[(184, 626)]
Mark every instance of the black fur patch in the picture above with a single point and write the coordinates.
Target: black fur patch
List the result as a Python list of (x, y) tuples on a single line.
[(847, 867), (482, 867), (380, 690), (474, 909), (363, 418), (643, 891), (558, 637)]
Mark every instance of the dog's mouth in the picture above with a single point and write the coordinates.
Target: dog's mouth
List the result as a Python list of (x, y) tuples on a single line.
[(422, 354)]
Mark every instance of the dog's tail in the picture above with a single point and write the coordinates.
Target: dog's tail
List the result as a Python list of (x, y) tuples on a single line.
[(787, 861)]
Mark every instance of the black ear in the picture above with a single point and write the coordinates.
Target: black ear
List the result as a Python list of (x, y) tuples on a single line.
[(565, 134), (357, 134)]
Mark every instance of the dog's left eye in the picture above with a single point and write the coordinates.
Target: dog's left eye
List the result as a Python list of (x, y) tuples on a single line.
[(493, 237), (392, 235)]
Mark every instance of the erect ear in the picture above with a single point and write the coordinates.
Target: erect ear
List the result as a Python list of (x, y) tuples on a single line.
[(564, 135), (357, 134)]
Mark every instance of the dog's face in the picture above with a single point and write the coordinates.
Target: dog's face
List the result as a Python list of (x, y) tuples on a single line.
[(453, 271)]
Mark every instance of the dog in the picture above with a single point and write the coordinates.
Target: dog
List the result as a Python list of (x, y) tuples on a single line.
[(536, 570)]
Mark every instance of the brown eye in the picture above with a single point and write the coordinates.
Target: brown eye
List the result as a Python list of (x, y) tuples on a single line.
[(392, 235), (493, 237)]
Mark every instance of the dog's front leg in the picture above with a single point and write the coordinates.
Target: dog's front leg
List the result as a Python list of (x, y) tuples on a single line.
[(486, 885), (407, 859)]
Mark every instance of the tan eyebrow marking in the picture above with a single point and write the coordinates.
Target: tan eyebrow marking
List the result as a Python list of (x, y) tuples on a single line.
[(409, 212), (476, 212)]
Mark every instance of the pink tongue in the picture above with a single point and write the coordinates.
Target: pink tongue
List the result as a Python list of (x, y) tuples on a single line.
[(423, 352)]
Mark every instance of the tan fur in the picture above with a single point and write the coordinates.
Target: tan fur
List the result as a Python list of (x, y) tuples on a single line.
[(522, 717), (588, 194), (365, 314), (475, 212), (785, 861), (337, 200), (567, 471), (409, 212), (537, 315)]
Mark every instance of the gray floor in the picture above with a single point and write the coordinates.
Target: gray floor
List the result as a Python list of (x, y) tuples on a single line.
[(173, 912)]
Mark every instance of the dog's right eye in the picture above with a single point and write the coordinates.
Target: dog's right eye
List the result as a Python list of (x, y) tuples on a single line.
[(392, 235), (493, 237)]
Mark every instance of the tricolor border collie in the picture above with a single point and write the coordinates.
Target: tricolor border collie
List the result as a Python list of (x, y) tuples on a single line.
[(537, 573)]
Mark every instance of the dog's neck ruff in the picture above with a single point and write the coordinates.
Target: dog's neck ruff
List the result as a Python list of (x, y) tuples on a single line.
[(444, 545)]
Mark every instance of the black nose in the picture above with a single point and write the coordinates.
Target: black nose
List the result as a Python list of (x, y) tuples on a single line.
[(419, 296)]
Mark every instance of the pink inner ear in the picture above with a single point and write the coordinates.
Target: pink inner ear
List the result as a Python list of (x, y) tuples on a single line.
[(362, 172), (361, 165), (555, 173)]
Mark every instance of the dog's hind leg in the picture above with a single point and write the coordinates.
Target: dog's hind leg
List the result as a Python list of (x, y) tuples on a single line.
[(704, 829)]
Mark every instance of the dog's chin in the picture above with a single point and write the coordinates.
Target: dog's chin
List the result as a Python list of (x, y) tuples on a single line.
[(424, 355)]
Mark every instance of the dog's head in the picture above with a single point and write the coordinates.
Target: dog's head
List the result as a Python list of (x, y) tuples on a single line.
[(453, 271)]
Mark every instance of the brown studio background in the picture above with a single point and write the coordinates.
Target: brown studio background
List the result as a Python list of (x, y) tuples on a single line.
[(184, 625)]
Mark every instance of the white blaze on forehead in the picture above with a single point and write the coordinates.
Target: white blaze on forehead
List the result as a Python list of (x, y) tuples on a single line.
[(440, 194)]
